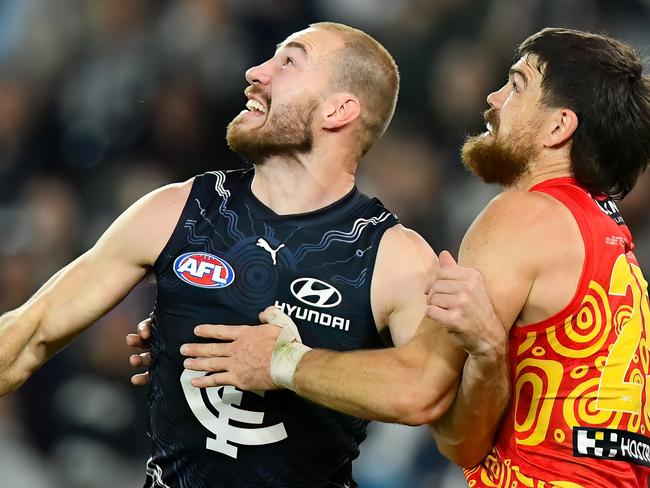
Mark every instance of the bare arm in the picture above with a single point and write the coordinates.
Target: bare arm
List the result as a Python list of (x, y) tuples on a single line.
[(500, 275), (410, 384), (413, 383), (86, 289)]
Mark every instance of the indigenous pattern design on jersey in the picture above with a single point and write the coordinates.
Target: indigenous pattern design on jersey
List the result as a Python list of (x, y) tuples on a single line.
[(579, 416), (228, 259)]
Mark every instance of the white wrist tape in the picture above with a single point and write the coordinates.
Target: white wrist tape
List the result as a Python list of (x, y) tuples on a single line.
[(287, 352)]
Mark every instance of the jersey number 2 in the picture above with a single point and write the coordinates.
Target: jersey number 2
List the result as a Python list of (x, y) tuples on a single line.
[(614, 392)]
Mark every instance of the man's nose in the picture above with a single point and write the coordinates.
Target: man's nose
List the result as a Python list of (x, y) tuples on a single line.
[(496, 98), (258, 75)]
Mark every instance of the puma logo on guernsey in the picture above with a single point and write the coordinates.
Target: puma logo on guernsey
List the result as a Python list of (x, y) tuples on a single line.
[(266, 246)]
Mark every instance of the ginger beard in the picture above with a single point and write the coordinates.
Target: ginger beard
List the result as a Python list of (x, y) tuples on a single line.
[(286, 130), (496, 159)]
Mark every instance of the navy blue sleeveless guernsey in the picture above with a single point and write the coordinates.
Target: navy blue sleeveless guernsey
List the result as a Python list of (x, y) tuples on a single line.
[(228, 258)]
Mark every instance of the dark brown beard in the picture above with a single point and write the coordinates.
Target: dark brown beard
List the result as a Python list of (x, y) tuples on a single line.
[(496, 161), (287, 131)]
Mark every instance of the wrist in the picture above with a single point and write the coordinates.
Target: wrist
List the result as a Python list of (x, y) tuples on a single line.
[(488, 362), (494, 347), (284, 362), (491, 353)]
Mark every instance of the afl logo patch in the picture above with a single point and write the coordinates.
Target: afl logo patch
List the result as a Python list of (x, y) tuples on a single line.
[(203, 270), (315, 292)]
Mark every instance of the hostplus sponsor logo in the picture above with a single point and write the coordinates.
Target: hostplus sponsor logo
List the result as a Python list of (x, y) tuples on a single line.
[(315, 293), (613, 444)]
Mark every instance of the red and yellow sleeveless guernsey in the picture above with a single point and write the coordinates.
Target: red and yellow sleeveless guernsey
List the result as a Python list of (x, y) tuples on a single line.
[(579, 415)]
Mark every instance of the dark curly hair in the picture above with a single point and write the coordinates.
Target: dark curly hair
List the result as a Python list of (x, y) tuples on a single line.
[(601, 79)]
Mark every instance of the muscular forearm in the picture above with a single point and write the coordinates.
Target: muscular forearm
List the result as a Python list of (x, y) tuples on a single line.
[(465, 434), (17, 331), (67, 304), (32, 333), (387, 385)]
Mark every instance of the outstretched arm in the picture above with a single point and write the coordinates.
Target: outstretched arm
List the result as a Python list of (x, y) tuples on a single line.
[(86, 289)]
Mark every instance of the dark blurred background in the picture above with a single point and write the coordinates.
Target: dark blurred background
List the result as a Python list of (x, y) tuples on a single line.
[(102, 101)]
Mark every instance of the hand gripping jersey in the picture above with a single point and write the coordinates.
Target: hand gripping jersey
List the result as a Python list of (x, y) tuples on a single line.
[(228, 258), (579, 414)]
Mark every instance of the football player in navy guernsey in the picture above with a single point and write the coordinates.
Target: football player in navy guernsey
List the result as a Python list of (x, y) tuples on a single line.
[(292, 232)]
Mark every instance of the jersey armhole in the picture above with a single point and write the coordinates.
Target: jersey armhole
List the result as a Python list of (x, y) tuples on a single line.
[(586, 273), (166, 254), (372, 263)]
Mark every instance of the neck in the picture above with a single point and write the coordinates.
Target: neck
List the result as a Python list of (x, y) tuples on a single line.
[(542, 169), (299, 184)]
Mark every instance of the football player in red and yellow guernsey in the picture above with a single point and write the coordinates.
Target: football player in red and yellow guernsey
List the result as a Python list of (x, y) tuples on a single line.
[(579, 414), (547, 302)]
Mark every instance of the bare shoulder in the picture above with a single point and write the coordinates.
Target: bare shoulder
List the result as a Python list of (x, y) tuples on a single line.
[(168, 197), (512, 223), (144, 228), (407, 247), (529, 250), (402, 270)]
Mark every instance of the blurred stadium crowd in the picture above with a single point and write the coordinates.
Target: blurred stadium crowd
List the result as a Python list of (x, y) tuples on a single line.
[(103, 100)]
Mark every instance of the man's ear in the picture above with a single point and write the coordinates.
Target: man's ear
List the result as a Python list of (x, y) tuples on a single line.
[(564, 125), (340, 109)]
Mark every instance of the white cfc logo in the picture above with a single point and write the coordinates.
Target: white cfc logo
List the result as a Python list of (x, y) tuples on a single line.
[(226, 405)]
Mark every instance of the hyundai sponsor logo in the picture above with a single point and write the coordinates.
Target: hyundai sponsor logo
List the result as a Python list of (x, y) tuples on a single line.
[(315, 292)]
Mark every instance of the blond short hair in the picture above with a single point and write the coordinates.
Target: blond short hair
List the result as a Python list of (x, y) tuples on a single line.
[(366, 69)]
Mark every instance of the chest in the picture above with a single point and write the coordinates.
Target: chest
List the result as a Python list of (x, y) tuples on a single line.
[(318, 276)]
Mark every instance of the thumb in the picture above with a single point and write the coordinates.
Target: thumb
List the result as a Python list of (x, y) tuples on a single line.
[(446, 260), (274, 316)]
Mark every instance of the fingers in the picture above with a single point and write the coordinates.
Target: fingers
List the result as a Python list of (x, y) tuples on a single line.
[(456, 272), (442, 300), (217, 379), (141, 338), (273, 315), (442, 316), (268, 314), (140, 360), (455, 280), (140, 379), (445, 286), (134, 340), (144, 329), (214, 365), (221, 332), (143, 360), (446, 260), (205, 350)]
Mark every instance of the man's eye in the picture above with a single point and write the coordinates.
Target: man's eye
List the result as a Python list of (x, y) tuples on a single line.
[(515, 87), (289, 61)]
